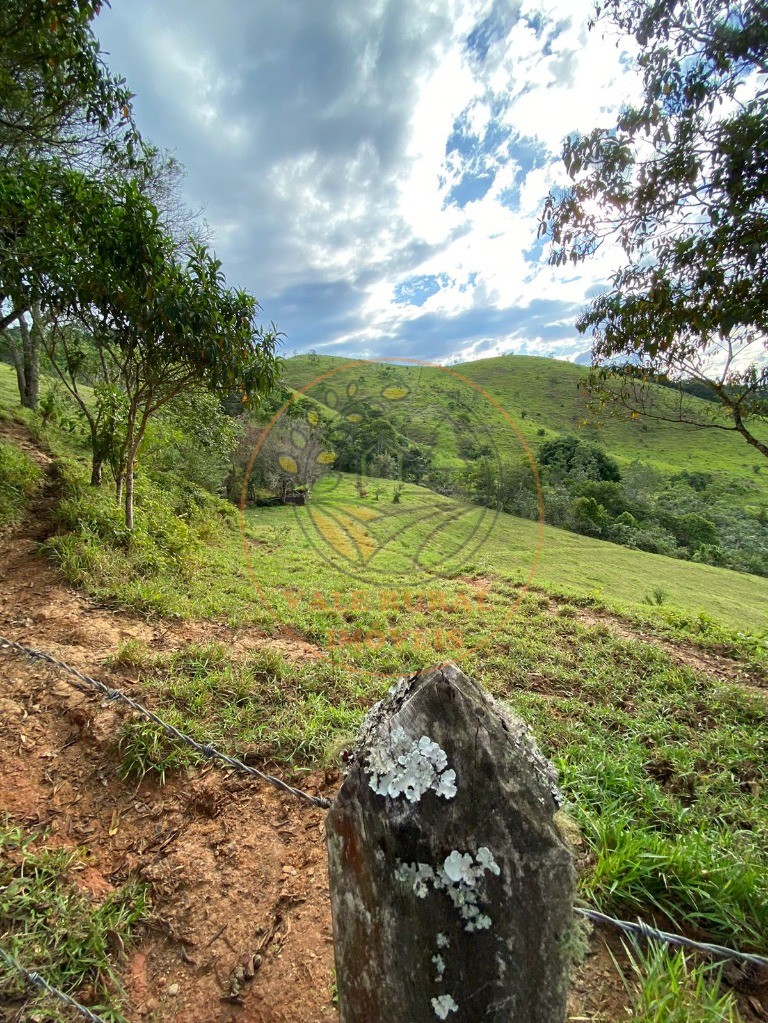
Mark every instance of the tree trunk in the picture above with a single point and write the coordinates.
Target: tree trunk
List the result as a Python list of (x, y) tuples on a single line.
[(32, 355), (129, 496), (133, 440), (18, 365), (96, 471), (28, 375)]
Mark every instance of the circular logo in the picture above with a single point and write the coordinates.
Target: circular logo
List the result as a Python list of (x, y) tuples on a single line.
[(395, 477)]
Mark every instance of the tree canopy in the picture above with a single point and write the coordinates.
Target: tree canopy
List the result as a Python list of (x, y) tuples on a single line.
[(681, 182), (159, 322), (56, 93), (97, 247)]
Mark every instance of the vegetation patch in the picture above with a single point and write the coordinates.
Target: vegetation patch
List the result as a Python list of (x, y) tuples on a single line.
[(669, 987), (19, 480), (50, 925)]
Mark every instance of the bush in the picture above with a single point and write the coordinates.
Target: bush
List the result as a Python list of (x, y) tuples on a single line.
[(589, 517), (99, 547), (569, 457)]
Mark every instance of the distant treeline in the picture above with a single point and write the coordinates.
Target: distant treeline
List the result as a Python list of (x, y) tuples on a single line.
[(689, 515)]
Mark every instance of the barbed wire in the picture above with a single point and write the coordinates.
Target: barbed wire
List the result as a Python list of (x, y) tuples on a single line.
[(34, 979), (204, 749), (633, 927), (638, 927)]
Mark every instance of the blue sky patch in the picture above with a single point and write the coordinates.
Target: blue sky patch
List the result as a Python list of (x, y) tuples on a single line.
[(491, 29), (471, 188), (416, 290)]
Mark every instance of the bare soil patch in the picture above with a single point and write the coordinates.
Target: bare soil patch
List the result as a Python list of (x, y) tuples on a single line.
[(718, 665)]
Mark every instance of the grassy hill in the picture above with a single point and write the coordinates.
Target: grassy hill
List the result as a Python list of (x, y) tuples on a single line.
[(526, 398), (341, 542)]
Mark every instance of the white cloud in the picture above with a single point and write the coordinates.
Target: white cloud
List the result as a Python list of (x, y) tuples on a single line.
[(317, 138)]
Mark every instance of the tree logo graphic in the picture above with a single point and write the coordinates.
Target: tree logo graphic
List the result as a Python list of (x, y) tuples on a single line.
[(381, 478), (363, 438)]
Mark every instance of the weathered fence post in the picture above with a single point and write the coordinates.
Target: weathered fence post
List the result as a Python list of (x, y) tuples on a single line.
[(451, 888)]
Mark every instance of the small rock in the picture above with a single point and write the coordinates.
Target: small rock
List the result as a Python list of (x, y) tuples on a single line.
[(173, 990), (105, 725)]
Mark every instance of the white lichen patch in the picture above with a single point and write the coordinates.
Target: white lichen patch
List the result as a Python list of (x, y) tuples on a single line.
[(439, 966), (443, 941), (418, 875), (406, 767), (460, 877), (443, 1005), (486, 861)]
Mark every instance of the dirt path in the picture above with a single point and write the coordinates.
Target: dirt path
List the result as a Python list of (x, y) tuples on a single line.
[(236, 869), (241, 929)]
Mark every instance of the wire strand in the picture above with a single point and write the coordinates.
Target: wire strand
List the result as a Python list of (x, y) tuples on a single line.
[(35, 980), (205, 750), (638, 927)]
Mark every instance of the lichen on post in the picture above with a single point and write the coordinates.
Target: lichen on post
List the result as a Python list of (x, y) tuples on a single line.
[(451, 886)]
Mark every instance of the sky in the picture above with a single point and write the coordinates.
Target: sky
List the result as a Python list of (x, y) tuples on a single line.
[(373, 170)]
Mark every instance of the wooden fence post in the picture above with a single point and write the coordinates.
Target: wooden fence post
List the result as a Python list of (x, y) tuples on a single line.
[(451, 887)]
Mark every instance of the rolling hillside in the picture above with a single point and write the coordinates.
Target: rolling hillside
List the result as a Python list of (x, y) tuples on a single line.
[(341, 542), (512, 399)]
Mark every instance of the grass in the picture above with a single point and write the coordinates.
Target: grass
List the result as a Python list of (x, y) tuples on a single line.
[(48, 924), (306, 568), (19, 480), (667, 987), (664, 770), (264, 707)]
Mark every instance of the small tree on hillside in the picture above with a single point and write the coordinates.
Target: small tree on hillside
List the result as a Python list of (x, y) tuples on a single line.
[(157, 324)]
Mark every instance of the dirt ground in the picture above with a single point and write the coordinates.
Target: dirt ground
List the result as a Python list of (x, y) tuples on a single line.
[(241, 929)]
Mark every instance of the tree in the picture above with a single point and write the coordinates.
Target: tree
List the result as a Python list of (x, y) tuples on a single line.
[(24, 343), (577, 460), (56, 93), (681, 182), (156, 324), (57, 99), (291, 453), (39, 233)]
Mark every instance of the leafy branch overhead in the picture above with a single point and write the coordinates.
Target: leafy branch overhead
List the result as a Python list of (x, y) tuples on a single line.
[(56, 92), (680, 182)]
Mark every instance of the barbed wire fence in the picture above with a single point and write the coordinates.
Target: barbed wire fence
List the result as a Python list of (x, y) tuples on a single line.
[(636, 928), (204, 749), (35, 980)]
